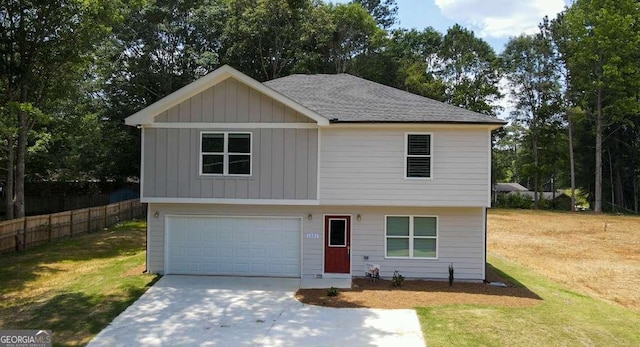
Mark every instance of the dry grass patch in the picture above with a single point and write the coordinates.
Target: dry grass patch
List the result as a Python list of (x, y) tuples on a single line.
[(597, 255)]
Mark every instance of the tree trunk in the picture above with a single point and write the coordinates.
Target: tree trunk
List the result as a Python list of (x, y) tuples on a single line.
[(598, 181), (8, 194), (20, 164), (572, 164), (536, 175)]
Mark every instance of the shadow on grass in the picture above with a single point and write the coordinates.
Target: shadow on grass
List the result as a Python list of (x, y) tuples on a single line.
[(22, 267), (76, 317), (381, 293)]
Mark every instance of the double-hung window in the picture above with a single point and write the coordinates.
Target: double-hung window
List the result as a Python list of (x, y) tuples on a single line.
[(418, 155), (411, 237), (225, 153)]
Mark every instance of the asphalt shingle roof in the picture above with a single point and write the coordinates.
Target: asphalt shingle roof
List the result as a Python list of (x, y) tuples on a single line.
[(346, 98)]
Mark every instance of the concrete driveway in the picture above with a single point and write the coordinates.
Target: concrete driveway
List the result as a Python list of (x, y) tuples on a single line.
[(240, 311)]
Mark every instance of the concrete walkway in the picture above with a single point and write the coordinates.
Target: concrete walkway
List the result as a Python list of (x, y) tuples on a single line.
[(240, 311)]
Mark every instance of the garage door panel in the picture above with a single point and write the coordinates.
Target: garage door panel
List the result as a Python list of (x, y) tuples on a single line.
[(256, 246)]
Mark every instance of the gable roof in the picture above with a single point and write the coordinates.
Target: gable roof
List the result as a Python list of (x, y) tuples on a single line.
[(329, 99), (345, 98), (147, 114), (509, 187)]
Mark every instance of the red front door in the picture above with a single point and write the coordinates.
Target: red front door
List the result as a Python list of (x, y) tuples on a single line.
[(337, 244)]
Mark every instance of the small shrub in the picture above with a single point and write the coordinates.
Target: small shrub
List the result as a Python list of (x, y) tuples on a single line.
[(333, 291), (451, 275), (514, 201), (397, 279)]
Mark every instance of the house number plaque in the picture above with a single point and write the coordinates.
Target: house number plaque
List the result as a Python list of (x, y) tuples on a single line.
[(312, 236)]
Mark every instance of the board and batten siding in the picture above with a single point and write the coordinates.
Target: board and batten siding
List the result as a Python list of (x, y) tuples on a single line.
[(460, 237), (284, 160), (284, 166), (231, 101), (366, 167)]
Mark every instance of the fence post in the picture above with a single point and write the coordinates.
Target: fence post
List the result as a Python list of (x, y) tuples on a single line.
[(50, 228), (130, 209), (89, 220), (71, 224), (24, 234), (105, 216)]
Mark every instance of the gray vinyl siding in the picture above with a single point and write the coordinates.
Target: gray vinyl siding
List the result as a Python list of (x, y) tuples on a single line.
[(366, 167), (284, 166), (231, 101), (460, 237)]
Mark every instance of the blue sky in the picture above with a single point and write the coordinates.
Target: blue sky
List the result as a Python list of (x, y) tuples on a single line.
[(493, 20)]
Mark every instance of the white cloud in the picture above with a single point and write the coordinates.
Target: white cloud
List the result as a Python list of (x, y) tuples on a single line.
[(500, 18)]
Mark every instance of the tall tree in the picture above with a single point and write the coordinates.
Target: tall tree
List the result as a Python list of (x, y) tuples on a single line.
[(353, 32), (44, 46), (415, 52), (264, 38), (533, 76), (157, 48), (384, 12), (470, 70), (601, 40)]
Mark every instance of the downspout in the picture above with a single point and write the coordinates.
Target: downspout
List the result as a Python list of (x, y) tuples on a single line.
[(485, 245)]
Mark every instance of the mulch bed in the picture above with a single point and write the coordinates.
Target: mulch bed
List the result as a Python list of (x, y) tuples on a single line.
[(417, 293)]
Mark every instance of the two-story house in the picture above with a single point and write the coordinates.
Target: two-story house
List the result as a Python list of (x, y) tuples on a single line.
[(313, 176)]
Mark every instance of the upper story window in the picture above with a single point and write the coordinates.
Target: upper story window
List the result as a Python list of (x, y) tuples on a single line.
[(418, 155), (225, 153)]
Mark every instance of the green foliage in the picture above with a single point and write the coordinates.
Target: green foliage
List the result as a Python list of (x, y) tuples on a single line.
[(397, 279), (514, 201), (599, 44), (333, 291), (383, 12), (469, 68)]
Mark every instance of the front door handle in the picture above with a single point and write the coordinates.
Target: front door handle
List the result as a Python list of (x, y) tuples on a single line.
[(348, 250)]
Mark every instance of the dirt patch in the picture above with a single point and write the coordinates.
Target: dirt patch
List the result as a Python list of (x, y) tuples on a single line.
[(134, 271), (417, 293)]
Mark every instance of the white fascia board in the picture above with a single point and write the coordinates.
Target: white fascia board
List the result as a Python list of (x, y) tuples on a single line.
[(193, 125), (413, 126), (146, 116), (287, 202)]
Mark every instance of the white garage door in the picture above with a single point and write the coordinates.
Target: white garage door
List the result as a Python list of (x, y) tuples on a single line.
[(251, 246)]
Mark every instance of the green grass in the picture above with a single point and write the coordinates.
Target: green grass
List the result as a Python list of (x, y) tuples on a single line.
[(562, 318), (74, 287)]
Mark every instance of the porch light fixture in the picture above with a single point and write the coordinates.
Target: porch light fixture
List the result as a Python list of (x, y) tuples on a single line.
[(156, 214), (309, 217), (359, 217)]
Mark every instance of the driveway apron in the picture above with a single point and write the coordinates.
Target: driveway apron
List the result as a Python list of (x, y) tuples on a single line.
[(243, 311)]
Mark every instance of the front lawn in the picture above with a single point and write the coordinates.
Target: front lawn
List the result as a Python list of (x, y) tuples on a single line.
[(562, 318), (74, 287)]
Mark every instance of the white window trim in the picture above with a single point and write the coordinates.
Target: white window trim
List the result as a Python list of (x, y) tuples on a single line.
[(406, 155), (226, 153), (346, 225), (411, 236)]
